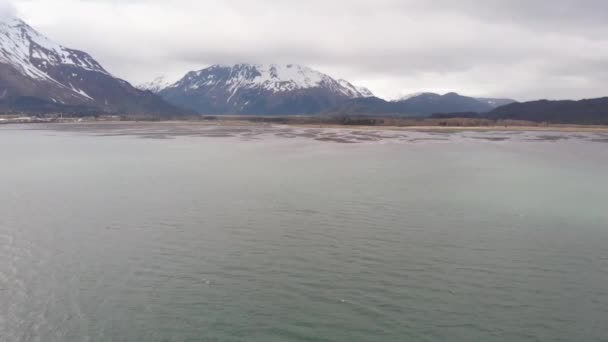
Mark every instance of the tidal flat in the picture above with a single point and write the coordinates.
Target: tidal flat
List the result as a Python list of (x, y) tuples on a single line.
[(246, 130)]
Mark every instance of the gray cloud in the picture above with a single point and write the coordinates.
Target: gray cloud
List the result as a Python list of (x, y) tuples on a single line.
[(516, 48)]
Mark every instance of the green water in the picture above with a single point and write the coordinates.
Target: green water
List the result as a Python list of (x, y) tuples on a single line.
[(275, 236)]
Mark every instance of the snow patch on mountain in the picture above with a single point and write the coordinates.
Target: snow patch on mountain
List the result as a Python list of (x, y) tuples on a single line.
[(365, 92), (353, 91)]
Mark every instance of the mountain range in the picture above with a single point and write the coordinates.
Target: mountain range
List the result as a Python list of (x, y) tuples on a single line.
[(420, 104), (588, 111), (39, 75), (295, 89)]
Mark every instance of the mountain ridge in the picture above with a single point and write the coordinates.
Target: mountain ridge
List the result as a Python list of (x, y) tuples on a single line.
[(586, 111), (418, 104)]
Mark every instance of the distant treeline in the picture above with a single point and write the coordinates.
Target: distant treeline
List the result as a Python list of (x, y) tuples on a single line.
[(439, 121)]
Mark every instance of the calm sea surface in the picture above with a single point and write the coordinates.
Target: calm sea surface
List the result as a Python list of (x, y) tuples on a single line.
[(179, 233)]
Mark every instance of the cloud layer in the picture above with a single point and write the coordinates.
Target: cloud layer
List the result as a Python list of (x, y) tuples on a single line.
[(7, 9), (514, 48)]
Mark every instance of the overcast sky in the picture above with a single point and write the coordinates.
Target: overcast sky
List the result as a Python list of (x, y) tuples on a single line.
[(524, 49)]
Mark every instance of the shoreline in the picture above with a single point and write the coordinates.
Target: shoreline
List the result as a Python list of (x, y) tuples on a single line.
[(266, 121)]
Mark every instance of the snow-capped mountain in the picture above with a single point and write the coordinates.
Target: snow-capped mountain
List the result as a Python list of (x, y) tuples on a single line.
[(33, 54), (259, 89), (156, 85), (37, 74)]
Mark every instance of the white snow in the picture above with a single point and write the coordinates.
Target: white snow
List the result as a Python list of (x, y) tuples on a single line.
[(353, 91), (289, 77), (81, 92), (274, 77)]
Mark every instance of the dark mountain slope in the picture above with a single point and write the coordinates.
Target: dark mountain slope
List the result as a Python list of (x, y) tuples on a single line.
[(590, 111), (423, 104)]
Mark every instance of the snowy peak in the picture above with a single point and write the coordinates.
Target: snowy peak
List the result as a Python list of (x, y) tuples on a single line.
[(32, 53), (281, 78), (38, 58), (276, 78), (273, 77), (156, 85)]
